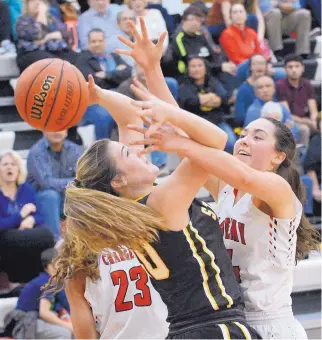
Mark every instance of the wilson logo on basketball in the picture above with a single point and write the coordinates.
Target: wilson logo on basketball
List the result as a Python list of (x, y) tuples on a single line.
[(40, 98)]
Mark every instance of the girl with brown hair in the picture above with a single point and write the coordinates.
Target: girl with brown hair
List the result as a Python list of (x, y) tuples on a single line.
[(176, 237)]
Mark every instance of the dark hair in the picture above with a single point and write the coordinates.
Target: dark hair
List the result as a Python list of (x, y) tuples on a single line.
[(95, 30), (307, 236), (193, 10), (48, 256), (293, 57)]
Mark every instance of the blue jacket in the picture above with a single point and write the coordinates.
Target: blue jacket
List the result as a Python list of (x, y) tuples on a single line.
[(245, 98), (10, 210)]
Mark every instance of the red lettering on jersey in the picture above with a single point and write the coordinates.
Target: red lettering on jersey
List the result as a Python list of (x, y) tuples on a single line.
[(116, 256), (233, 230), (241, 227), (122, 255), (105, 260), (131, 254)]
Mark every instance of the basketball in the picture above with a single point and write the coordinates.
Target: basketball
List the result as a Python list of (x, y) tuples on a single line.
[(51, 95)]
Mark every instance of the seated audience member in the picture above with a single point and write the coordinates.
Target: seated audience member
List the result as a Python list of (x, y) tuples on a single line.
[(203, 95), (41, 36), (101, 14), (219, 17), (22, 234), (153, 19), (123, 18), (158, 158), (157, 4), (283, 18), (297, 94), (274, 110), (6, 46), (190, 42), (51, 165), (312, 167), (39, 310), (264, 90), (109, 71), (246, 94), (239, 41)]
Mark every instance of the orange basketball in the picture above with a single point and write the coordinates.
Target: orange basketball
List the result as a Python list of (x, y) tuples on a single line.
[(51, 95)]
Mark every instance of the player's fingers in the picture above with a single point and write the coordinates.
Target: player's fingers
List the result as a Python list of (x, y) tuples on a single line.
[(134, 31), (141, 104), (146, 121), (140, 93), (145, 113), (147, 150), (124, 52), (139, 85), (144, 30), (136, 128), (91, 81), (153, 129), (162, 39), (125, 41), (145, 141)]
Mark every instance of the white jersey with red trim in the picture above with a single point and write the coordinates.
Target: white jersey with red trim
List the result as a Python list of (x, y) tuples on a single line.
[(262, 249), (124, 303)]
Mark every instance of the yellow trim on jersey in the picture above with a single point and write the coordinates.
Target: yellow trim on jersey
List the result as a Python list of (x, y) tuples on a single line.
[(244, 330), (214, 266), (225, 331), (202, 268)]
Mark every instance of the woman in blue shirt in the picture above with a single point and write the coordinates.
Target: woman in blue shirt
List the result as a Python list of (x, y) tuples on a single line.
[(21, 241)]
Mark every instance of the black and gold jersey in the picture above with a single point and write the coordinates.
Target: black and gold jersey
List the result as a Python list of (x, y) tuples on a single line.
[(192, 271)]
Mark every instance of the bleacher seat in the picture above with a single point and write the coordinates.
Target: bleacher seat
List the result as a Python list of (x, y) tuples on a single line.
[(9, 68), (7, 140), (87, 133), (6, 306)]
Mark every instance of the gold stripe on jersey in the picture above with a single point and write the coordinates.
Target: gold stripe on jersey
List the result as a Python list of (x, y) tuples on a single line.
[(202, 268), (213, 265), (225, 331), (244, 330)]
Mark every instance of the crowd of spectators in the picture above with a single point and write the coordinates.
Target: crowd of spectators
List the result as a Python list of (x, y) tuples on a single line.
[(219, 63)]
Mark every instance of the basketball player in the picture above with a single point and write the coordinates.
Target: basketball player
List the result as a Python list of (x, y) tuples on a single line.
[(260, 197), (177, 238), (121, 305)]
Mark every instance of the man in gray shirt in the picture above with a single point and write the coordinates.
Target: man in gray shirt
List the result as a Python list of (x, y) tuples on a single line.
[(102, 15)]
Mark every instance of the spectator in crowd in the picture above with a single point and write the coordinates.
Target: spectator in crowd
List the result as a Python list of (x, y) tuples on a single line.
[(312, 167), (246, 94), (190, 42), (101, 14), (264, 90), (153, 19), (219, 17), (109, 71), (39, 310), (297, 94), (283, 18), (157, 4), (15, 10), (272, 110), (239, 41), (123, 18), (6, 46), (203, 95), (158, 158), (41, 36), (22, 234), (51, 165)]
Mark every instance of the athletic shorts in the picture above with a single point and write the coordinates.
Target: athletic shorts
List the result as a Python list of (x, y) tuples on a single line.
[(227, 330)]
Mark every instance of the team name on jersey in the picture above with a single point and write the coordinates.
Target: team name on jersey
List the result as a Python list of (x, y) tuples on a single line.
[(233, 230), (110, 257)]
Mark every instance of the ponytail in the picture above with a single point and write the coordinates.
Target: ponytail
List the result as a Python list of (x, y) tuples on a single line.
[(308, 238)]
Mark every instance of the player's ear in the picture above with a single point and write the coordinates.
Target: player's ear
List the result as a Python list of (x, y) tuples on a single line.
[(119, 182)]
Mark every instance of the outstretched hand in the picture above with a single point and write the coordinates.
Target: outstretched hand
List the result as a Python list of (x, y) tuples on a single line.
[(144, 52), (150, 107), (165, 138), (93, 91)]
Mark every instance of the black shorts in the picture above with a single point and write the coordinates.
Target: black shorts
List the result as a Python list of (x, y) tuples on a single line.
[(227, 330)]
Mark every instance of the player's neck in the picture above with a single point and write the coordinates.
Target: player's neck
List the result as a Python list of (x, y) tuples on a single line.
[(135, 193), (56, 147)]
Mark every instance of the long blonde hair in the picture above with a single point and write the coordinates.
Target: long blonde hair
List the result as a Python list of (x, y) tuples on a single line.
[(97, 218)]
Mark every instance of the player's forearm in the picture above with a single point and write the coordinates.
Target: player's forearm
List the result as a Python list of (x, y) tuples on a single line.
[(119, 106), (157, 85), (313, 176), (198, 129), (83, 324)]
